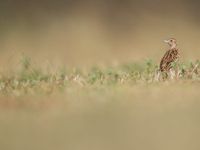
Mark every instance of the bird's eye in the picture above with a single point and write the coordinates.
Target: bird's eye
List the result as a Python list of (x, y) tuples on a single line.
[(171, 40)]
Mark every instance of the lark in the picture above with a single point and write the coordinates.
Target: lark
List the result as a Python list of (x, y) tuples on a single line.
[(171, 56)]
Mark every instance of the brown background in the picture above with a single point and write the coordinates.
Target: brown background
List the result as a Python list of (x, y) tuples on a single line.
[(76, 32)]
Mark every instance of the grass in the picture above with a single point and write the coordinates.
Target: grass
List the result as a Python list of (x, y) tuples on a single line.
[(104, 107), (30, 79)]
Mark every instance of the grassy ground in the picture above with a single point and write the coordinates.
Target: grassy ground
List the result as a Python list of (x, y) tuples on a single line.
[(110, 108), (32, 80)]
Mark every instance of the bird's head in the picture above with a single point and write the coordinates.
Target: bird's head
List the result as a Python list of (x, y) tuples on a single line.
[(171, 42)]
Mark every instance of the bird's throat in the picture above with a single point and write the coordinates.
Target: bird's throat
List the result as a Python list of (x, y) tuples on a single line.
[(172, 46)]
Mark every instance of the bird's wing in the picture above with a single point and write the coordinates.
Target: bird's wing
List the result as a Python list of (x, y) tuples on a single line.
[(167, 59)]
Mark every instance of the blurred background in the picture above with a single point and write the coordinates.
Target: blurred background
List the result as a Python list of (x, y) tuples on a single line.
[(84, 33), (81, 33)]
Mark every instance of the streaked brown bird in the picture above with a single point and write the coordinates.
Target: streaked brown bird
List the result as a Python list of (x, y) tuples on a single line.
[(170, 56)]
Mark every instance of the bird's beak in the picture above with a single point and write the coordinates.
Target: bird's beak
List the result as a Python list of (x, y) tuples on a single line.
[(166, 41)]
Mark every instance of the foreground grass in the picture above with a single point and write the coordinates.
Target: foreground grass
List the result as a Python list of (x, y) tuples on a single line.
[(153, 117), (110, 108)]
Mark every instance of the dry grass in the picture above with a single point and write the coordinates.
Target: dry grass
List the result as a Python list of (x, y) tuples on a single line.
[(155, 116), (32, 80), (120, 107)]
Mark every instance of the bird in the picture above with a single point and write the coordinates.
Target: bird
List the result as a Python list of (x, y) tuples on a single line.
[(171, 56)]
